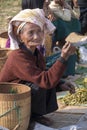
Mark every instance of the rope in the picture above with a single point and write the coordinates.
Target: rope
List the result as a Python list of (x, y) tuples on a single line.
[(17, 108), (14, 108)]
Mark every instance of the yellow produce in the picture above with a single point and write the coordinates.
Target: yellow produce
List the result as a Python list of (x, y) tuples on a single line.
[(85, 82), (80, 97)]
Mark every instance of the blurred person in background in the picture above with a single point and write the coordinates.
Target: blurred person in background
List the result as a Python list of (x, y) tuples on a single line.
[(32, 4), (67, 19)]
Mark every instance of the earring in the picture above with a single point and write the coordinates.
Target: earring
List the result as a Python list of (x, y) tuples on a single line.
[(21, 41)]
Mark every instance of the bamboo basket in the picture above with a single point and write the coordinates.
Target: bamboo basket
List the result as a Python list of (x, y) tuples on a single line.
[(3, 56), (15, 106), (3, 39), (4, 35), (48, 43), (74, 37)]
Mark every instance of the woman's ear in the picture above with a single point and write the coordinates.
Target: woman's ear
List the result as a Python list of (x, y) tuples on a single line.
[(20, 38)]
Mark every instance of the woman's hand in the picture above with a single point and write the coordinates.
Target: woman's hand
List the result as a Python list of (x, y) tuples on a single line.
[(60, 2), (67, 86), (75, 3), (68, 50)]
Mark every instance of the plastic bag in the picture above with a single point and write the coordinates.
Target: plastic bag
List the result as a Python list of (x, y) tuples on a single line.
[(83, 54), (81, 124), (3, 128)]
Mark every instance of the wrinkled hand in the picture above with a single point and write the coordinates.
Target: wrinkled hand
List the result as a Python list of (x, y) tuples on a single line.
[(68, 50), (67, 86)]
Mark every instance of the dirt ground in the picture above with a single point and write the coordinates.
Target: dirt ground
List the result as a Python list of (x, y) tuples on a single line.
[(8, 8)]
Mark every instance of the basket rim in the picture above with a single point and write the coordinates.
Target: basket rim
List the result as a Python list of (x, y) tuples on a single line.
[(16, 96)]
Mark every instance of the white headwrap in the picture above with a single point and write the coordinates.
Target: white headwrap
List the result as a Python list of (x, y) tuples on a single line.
[(35, 16)]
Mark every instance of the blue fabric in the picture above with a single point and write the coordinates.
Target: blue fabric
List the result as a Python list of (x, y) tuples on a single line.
[(50, 60), (70, 69)]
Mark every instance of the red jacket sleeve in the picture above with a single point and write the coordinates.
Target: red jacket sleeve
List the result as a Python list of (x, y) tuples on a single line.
[(24, 68)]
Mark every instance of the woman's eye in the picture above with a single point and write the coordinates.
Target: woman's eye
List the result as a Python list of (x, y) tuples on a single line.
[(30, 32), (39, 30)]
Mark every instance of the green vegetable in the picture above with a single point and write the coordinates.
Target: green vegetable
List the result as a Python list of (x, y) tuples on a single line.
[(80, 97), (13, 91)]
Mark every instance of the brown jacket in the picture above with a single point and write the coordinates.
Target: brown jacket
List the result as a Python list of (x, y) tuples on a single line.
[(22, 65)]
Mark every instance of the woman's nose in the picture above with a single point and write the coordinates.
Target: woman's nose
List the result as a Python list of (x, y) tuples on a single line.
[(35, 36)]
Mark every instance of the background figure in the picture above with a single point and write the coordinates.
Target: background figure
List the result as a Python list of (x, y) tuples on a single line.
[(32, 4), (67, 21), (83, 20)]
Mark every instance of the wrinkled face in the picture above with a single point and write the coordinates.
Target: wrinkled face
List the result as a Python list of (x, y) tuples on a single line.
[(31, 35)]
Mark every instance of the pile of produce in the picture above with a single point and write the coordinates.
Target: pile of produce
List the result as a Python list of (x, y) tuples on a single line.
[(79, 98)]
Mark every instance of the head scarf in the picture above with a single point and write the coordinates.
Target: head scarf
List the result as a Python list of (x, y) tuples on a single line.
[(35, 16)]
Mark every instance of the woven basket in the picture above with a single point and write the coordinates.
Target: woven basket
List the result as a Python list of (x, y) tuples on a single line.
[(3, 56), (3, 42), (3, 39), (4, 35), (48, 43), (15, 106), (74, 37)]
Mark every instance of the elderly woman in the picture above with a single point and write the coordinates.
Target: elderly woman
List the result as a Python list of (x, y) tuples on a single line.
[(31, 4), (26, 64)]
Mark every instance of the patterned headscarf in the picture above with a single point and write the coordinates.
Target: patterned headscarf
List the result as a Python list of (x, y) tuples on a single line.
[(35, 16)]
